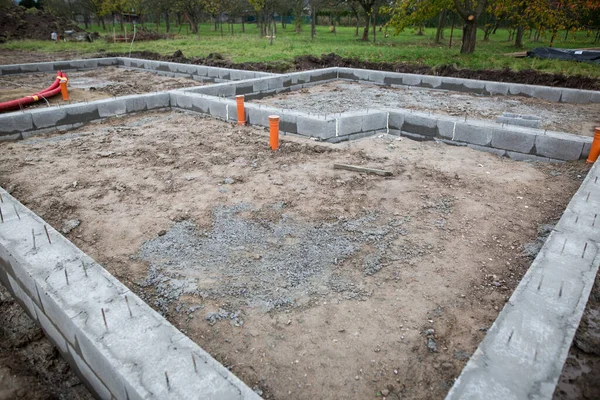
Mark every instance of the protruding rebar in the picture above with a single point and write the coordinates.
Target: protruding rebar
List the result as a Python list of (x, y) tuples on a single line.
[(47, 234)]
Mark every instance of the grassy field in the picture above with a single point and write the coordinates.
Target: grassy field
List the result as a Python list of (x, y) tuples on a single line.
[(406, 47)]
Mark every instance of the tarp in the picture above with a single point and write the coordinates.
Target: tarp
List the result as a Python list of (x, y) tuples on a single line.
[(565, 54)]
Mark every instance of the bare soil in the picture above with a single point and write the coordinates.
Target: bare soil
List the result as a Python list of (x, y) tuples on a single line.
[(338, 97), (91, 85), (30, 366), (399, 279)]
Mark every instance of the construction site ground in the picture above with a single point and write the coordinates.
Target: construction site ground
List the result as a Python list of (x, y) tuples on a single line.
[(339, 97), (96, 84), (305, 281)]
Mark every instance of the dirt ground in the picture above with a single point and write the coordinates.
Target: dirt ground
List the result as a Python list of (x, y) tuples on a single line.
[(307, 282), (91, 85), (30, 366), (338, 97)]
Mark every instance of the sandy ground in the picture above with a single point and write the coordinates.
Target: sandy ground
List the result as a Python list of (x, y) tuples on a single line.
[(307, 282), (338, 97), (30, 366), (91, 85)]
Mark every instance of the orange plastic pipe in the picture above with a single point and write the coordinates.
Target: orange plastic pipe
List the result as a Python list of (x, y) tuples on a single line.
[(63, 89), (274, 125), (240, 109), (595, 150)]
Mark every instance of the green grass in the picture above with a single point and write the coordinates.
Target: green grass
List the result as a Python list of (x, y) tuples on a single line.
[(405, 47)]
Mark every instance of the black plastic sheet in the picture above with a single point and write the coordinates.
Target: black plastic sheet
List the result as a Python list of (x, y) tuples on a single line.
[(565, 54)]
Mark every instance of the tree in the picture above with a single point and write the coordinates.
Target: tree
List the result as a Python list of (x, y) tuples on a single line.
[(469, 11), (407, 13)]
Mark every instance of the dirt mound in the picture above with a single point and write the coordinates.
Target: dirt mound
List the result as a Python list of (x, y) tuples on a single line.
[(529, 76), (20, 23)]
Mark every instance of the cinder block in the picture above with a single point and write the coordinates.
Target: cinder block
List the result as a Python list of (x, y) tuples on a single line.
[(392, 78), (212, 72), (77, 64), (374, 121), (496, 88), (275, 83), (218, 110), (18, 293), (595, 97), (395, 120), (135, 103), (313, 127), (513, 140), (181, 100), (354, 136), (420, 125), (224, 74), (349, 123), (300, 78), (587, 146), (44, 118), (30, 67), (547, 93), (517, 89), (347, 74), (327, 74), (433, 82), (377, 77), (446, 128), (157, 100), (560, 148), (10, 69), (417, 137), (260, 85), (11, 137), (15, 122), (199, 104), (110, 108), (474, 134), (107, 62), (498, 152), (288, 121), (122, 61), (97, 387), (576, 96), (462, 85), (411, 79), (259, 116)]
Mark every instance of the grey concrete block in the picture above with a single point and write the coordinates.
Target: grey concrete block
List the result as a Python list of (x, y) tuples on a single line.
[(349, 123), (259, 116), (107, 62), (496, 88), (199, 104), (595, 97), (111, 107), (576, 96), (547, 93), (433, 82), (157, 100), (135, 103), (393, 79), (314, 127), (275, 82), (300, 78), (218, 110), (50, 331), (260, 85), (181, 100), (420, 125), (322, 75), (44, 118), (11, 137), (417, 137), (560, 147), (354, 136), (497, 152), (517, 89), (374, 121), (377, 77), (92, 381), (513, 140), (411, 79), (15, 122), (462, 85), (475, 134), (395, 120), (446, 128), (212, 72), (225, 74), (289, 121), (587, 146), (18, 293)]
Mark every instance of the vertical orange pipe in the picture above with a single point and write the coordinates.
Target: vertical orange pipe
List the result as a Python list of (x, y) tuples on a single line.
[(63, 89), (240, 109), (274, 125), (595, 150)]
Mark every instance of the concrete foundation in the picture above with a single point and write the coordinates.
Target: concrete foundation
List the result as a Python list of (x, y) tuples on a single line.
[(96, 322)]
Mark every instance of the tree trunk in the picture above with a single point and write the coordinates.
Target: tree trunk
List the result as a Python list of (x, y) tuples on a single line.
[(365, 36), (451, 32), (103, 24), (168, 21), (357, 25), (121, 21), (553, 37), (86, 20), (374, 26), (243, 26), (469, 37), (440, 27), (519, 37)]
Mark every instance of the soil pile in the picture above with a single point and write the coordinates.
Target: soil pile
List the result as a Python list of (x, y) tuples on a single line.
[(20, 23), (301, 63)]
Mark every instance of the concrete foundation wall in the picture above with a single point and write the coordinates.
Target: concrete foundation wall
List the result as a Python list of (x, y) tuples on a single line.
[(557, 95), (118, 345), (523, 353)]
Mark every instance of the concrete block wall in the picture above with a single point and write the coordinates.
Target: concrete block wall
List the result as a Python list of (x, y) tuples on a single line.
[(523, 353), (513, 141), (557, 95), (70, 296), (53, 66), (20, 125)]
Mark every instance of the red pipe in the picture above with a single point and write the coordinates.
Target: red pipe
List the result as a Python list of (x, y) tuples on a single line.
[(50, 91)]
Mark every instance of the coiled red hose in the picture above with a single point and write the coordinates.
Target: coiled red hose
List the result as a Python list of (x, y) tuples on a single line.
[(50, 91)]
